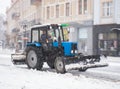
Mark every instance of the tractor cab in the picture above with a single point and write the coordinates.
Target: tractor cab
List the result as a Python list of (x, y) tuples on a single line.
[(46, 33)]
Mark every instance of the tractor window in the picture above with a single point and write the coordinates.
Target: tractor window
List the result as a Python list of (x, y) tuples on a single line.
[(54, 33), (51, 34), (35, 36), (59, 33), (66, 34)]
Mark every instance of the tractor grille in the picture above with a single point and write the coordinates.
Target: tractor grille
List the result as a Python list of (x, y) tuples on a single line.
[(74, 46)]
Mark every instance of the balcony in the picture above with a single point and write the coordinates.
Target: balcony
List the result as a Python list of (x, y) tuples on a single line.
[(35, 2)]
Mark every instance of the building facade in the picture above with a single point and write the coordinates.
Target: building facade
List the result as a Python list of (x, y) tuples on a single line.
[(77, 13), (2, 32), (13, 27), (20, 17), (90, 21)]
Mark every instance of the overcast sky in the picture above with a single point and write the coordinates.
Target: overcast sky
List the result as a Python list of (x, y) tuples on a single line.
[(3, 5)]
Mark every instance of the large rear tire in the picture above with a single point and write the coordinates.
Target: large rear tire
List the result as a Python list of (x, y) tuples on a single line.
[(60, 65), (34, 58)]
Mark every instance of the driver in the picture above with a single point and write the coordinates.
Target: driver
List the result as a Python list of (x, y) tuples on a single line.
[(44, 36)]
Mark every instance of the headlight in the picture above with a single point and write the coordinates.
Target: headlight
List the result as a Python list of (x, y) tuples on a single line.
[(73, 51)]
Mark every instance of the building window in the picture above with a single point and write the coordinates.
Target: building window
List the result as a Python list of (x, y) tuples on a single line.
[(85, 6), (79, 6), (82, 6), (67, 9), (107, 9), (57, 11), (48, 12)]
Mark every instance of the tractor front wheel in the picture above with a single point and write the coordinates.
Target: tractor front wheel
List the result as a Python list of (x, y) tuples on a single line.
[(34, 58), (60, 65)]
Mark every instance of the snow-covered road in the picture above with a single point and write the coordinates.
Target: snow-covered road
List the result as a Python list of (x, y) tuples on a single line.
[(110, 73), (19, 77)]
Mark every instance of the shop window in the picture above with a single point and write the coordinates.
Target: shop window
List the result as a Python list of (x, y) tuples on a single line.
[(111, 45), (102, 36), (112, 36), (102, 45), (107, 41)]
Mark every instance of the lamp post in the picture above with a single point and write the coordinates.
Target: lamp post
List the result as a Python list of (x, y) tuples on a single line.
[(25, 34), (24, 25)]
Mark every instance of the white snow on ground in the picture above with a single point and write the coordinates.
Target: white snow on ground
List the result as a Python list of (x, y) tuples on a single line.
[(19, 77), (105, 72), (114, 61), (114, 64)]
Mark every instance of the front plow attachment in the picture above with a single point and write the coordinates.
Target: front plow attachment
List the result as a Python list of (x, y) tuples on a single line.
[(85, 62), (18, 58), (85, 67), (81, 63)]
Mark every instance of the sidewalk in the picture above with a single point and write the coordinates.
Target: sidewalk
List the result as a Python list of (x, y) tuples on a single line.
[(113, 59), (7, 51)]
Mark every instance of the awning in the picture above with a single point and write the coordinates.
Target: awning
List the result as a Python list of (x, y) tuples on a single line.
[(115, 29)]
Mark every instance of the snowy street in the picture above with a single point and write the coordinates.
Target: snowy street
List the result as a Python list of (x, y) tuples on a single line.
[(19, 77), (110, 73)]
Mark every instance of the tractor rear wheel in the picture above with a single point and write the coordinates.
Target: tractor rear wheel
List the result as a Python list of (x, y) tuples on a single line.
[(34, 58), (60, 65)]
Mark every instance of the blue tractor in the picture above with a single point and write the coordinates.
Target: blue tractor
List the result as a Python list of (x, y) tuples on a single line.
[(48, 45)]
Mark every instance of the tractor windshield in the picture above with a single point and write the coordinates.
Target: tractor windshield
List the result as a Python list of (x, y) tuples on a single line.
[(56, 33)]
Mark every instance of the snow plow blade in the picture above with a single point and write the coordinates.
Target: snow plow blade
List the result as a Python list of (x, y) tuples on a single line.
[(85, 67), (18, 58)]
